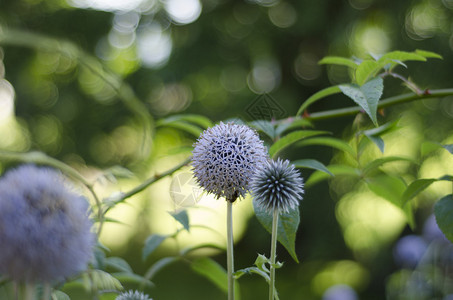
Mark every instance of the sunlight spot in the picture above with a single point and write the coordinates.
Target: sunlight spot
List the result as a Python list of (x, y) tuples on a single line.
[(6, 100), (107, 5), (183, 11), (154, 46)]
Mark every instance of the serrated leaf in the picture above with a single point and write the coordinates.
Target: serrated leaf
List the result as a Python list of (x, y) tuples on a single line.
[(428, 54), (151, 243), (182, 217), (443, 210), (291, 138), (288, 224), (337, 60), (367, 69), (416, 187), (336, 170), (159, 265), (329, 141), (448, 147), (373, 165), (312, 164), (317, 96), (366, 96), (118, 264)]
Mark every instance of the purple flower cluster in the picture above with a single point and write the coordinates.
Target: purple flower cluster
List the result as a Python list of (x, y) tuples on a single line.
[(132, 295), (45, 232), (225, 158)]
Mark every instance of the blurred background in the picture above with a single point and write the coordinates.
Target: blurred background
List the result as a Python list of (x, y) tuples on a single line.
[(91, 83)]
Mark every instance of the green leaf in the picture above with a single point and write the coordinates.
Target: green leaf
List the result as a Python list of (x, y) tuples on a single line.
[(337, 60), (59, 295), (336, 170), (264, 126), (132, 278), (118, 264), (159, 265), (366, 96), (182, 217), (183, 126), (311, 164), (373, 165), (443, 210), (212, 271), (378, 141), (416, 187), (287, 227), (448, 147), (289, 124), (101, 280), (151, 243), (199, 120), (330, 142), (291, 138), (428, 54), (402, 56), (187, 250), (367, 69), (251, 270), (318, 95)]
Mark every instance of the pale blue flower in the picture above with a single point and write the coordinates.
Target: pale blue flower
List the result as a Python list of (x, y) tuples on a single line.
[(225, 158), (277, 185), (44, 227), (340, 292), (133, 295)]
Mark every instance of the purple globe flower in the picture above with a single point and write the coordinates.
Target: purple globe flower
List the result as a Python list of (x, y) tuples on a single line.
[(277, 185), (340, 292), (44, 228), (409, 250), (132, 295), (225, 158)]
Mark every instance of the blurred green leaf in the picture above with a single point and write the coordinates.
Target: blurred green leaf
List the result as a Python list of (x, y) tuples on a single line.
[(183, 126), (428, 54), (251, 270), (374, 134), (188, 250), (59, 295), (159, 265), (101, 280), (366, 96), (367, 69), (311, 164), (330, 142), (443, 210), (151, 243), (212, 271), (264, 126), (416, 187), (288, 224), (338, 60), (317, 96), (126, 277), (376, 163), (336, 170), (401, 56), (448, 147), (291, 138), (198, 120), (118, 264), (290, 124), (182, 217)]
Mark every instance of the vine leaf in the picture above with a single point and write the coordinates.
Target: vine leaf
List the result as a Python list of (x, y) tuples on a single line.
[(443, 210), (287, 226), (366, 96)]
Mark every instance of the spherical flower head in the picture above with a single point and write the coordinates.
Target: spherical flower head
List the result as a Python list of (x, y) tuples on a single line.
[(277, 185), (132, 295), (45, 232), (225, 158)]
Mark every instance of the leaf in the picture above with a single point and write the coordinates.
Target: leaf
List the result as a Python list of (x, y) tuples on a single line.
[(187, 250), (183, 218), (287, 227), (443, 210), (367, 69), (183, 126), (291, 138), (199, 120), (101, 280), (318, 95), (416, 187), (381, 161), (401, 56), (448, 147), (132, 278), (378, 141), (289, 124), (264, 126), (118, 264), (366, 96), (212, 271), (337, 60), (151, 243), (159, 265), (311, 164), (336, 170), (428, 54), (329, 141), (251, 270), (59, 295)]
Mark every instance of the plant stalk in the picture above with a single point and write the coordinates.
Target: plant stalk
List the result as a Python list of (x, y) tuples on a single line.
[(273, 254), (230, 255)]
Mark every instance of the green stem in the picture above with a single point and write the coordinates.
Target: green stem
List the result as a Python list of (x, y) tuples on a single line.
[(47, 290), (230, 255), (335, 113), (273, 254)]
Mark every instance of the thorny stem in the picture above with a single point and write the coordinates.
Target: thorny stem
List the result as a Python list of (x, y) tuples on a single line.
[(230, 255), (273, 254)]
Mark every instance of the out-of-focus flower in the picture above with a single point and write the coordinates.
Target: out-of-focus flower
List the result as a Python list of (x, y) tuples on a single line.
[(409, 250), (277, 185), (45, 232), (340, 292), (225, 158), (432, 232), (132, 295)]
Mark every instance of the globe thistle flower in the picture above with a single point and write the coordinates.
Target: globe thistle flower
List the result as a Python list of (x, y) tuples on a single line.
[(225, 158), (132, 295), (277, 185), (44, 228)]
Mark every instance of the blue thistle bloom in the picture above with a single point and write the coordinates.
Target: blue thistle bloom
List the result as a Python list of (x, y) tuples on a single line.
[(132, 295), (225, 158), (277, 185), (44, 228)]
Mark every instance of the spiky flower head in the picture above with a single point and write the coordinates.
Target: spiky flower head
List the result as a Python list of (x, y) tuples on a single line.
[(132, 295), (225, 158), (45, 233), (277, 185)]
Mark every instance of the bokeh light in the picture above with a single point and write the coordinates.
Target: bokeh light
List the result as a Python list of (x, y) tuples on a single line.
[(183, 11)]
